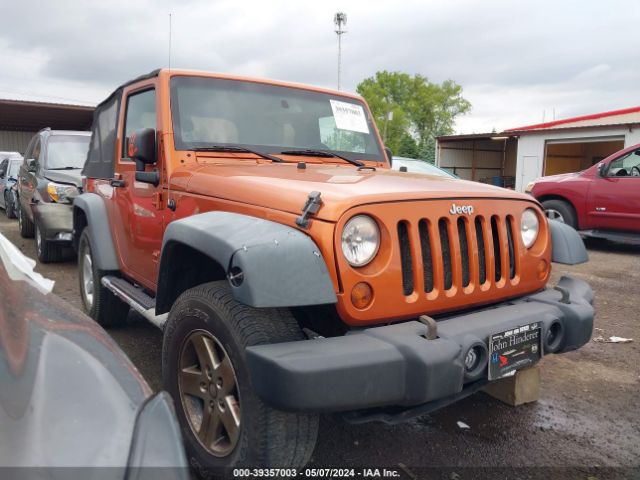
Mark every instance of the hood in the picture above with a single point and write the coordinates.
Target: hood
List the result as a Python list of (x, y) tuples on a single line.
[(65, 176), (559, 177), (284, 187)]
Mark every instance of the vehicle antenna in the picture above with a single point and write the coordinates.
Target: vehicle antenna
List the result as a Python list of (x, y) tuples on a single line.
[(169, 41)]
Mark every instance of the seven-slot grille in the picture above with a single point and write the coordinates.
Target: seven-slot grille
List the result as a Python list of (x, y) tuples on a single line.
[(457, 252)]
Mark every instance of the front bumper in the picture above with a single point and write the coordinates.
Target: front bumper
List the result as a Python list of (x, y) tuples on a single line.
[(396, 365), (55, 220)]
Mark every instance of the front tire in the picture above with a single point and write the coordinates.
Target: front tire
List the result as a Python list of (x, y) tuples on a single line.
[(560, 211), (47, 251), (204, 363), (25, 225), (8, 205), (98, 301)]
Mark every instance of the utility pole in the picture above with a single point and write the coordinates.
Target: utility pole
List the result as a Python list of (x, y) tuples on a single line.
[(340, 20)]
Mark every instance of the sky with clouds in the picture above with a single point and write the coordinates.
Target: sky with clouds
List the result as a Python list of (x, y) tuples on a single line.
[(518, 61)]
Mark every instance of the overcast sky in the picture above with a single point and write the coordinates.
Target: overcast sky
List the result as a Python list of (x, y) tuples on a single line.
[(515, 59)]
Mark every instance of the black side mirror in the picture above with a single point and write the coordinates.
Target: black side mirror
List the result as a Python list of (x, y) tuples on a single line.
[(602, 169), (389, 153), (141, 147), (32, 166)]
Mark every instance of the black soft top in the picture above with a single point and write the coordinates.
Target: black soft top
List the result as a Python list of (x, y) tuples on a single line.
[(102, 149)]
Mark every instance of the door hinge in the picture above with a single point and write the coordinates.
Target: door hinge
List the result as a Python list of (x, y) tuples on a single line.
[(157, 201)]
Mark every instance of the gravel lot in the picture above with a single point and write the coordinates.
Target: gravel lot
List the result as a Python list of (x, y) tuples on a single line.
[(586, 424)]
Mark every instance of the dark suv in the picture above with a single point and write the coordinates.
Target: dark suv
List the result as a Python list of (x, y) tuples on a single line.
[(48, 181)]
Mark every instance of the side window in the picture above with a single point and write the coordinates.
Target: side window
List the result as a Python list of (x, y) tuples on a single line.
[(141, 113), (3, 167), (626, 166), (36, 150), (27, 152)]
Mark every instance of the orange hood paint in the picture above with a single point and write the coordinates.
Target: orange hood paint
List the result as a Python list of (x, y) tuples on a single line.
[(284, 187)]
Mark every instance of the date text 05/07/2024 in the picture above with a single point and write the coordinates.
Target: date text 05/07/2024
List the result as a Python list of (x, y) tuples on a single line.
[(316, 473)]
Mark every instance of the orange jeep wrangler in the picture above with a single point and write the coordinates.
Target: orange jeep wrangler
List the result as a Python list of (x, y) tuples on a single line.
[(259, 224)]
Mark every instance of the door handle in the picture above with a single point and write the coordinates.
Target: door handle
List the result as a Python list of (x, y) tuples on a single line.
[(117, 182)]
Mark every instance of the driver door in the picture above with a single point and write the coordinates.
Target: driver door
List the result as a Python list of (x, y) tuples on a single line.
[(614, 198), (137, 206)]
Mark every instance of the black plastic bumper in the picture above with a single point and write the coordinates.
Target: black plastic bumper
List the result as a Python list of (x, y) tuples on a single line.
[(396, 365), (54, 219)]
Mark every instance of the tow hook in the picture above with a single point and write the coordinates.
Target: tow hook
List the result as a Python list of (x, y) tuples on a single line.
[(432, 327), (565, 294)]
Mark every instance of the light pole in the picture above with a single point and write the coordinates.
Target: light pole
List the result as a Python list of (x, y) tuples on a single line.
[(340, 20)]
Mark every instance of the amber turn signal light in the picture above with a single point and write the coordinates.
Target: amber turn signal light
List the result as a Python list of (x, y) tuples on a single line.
[(543, 269), (361, 295)]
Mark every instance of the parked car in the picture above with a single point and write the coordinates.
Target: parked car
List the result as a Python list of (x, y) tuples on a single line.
[(299, 274), (9, 166), (419, 166), (69, 397), (602, 201), (48, 181)]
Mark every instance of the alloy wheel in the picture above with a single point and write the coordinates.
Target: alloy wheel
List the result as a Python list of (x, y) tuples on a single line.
[(209, 393), (554, 215), (38, 241), (87, 279)]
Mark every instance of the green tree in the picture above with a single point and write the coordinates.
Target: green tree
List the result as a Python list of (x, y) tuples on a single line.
[(406, 106), (408, 147)]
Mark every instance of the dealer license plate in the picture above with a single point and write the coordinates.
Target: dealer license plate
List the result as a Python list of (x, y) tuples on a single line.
[(513, 350)]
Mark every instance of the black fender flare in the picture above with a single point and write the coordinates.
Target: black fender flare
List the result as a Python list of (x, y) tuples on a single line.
[(272, 265), (95, 211), (566, 244)]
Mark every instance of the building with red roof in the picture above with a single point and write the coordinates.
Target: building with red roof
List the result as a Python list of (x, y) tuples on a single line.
[(519, 155)]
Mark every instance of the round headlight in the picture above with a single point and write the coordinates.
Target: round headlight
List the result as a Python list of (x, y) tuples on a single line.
[(529, 227), (360, 240)]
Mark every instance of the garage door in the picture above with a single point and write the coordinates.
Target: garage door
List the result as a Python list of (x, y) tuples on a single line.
[(576, 155)]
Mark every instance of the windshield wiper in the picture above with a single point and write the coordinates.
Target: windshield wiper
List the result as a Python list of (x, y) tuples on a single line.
[(228, 148), (65, 168), (308, 152)]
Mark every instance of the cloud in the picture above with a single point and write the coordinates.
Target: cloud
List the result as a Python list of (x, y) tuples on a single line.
[(513, 59)]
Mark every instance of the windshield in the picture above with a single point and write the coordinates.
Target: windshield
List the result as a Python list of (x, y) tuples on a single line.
[(419, 166), (14, 166), (67, 151), (268, 118)]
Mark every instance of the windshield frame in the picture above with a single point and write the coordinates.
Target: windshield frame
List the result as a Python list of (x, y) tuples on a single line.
[(181, 145)]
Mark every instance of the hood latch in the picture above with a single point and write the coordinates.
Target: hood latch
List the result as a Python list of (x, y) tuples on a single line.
[(311, 207)]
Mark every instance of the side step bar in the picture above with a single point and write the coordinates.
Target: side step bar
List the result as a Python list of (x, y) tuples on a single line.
[(627, 238), (136, 298)]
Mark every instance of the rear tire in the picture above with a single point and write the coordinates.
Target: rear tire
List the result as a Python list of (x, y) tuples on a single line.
[(47, 251), (26, 226), (561, 211), (98, 301), (8, 205), (261, 436)]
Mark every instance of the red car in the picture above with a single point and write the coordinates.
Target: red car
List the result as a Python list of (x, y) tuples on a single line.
[(601, 201)]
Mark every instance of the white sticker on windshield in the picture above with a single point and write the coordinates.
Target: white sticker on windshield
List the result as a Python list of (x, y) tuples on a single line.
[(349, 116)]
